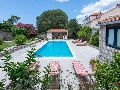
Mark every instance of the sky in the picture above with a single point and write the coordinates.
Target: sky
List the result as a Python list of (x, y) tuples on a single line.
[(28, 10)]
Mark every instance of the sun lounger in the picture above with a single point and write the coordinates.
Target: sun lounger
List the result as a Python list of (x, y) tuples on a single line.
[(82, 74), (54, 84), (80, 41), (85, 84), (79, 68), (76, 40), (82, 44), (55, 67)]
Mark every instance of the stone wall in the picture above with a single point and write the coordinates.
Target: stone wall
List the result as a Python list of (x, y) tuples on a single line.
[(43, 35), (16, 48), (105, 52), (6, 35)]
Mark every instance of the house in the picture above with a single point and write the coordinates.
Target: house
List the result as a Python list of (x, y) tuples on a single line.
[(57, 34), (109, 37), (93, 19), (112, 12)]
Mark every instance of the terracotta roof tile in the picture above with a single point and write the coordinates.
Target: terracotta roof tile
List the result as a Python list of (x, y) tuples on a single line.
[(111, 19), (96, 14), (99, 21), (117, 17), (57, 30)]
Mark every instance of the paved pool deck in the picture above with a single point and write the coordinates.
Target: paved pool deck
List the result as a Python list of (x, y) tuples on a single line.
[(81, 53)]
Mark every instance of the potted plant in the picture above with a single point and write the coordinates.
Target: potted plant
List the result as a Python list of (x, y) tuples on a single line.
[(93, 64)]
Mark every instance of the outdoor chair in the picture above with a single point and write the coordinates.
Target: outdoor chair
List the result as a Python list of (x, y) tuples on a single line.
[(82, 44)]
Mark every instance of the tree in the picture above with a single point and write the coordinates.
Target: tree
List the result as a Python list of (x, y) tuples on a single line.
[(94, 40), (16, 31), (13, 20), (51, 19), (85, 32), (31, 32), (73, 27), (7, 25)]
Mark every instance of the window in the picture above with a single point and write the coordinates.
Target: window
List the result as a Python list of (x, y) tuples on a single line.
[(118, 37), (113, 37)]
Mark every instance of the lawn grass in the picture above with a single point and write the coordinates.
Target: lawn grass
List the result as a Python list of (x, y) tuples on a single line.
[(9, 44), (28, 41), (6, 44)]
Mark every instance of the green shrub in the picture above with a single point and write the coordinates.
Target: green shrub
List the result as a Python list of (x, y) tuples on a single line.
[(17, 31), (85, 32), (46, 79), (94, 40), (20, 75), (4, 38), (1, 41), (20, 39), (108, 73), (32, 38), (40, 37), (2, 84)]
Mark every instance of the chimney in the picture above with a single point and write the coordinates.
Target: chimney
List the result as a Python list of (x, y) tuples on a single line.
[(118, 5)]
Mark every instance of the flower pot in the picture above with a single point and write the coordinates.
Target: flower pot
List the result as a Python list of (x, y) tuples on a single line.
[(93, 67)]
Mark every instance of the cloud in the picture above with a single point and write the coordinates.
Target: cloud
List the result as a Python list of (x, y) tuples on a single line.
[(61, 0), (80, 18), (74, 11), (100, 6)]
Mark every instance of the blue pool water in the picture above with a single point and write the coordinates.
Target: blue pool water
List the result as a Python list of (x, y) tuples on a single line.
[(54, 49)]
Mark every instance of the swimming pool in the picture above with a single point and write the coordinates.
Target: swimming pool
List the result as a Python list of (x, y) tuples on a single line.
[(54, 49)]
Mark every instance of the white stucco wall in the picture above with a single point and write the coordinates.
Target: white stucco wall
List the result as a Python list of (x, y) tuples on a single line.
[(92, 17), (94, 22), (113, 12), (88, 24), (49, 35)]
